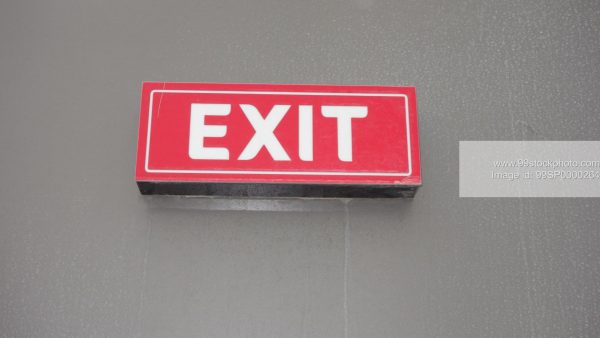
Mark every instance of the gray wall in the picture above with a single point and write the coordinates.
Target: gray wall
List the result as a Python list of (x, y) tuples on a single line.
[(83, 254)]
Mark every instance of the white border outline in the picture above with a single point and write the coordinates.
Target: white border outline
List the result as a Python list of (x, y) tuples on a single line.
[(262, 172)]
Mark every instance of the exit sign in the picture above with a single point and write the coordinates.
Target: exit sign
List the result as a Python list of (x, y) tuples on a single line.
[(278, 140)]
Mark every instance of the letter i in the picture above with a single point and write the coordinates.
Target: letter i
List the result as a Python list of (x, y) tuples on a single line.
[(305, 133)]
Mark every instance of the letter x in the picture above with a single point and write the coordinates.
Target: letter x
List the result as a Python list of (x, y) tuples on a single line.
[(264, 136)]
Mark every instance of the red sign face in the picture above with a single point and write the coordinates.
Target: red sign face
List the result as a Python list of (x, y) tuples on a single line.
[(304, 134)]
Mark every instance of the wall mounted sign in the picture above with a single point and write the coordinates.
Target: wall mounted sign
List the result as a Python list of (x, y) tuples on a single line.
[(278, 140)]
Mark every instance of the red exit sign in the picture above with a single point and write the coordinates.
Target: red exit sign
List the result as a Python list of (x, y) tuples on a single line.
[(278, 140)]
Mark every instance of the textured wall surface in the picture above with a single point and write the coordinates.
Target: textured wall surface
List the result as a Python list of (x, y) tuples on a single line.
[(83, 254)]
